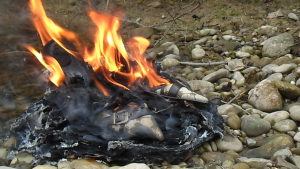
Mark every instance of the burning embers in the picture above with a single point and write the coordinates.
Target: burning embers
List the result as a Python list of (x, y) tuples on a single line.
[(110, 104)]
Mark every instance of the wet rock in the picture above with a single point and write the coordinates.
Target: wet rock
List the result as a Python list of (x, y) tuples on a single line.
[(135, 166), (241, 166), (285, 126), (241, 54), (212, 77), (253, 125), (239, 79), (233, 121), (270, 145), (258, 163), (293, 16), (288, 90), (278, 45), (87, 164), (228, 109), (277, 116), (215, 156), (45, 167), (265, 96), (169, 62), (201, 86), (229, 143), (198, 53), (295, 112), (145, 32)]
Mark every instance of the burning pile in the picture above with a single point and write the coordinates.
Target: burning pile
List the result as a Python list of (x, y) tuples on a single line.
[(109, 104)]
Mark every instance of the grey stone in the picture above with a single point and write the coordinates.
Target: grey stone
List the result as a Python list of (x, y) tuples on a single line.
[(283, 153), (172, 56), (275, 77), (265, 96), (269, 68), (253, 125), (201, 41), (239, 78), (229, 143), (45, 167), (284, 68), (135, 166), (270, 145), (202, 86), (233, 121), (278, 45), (241, 166), (248, 49), (145, 32), (169, 62), (293, 16), (86, 164), (215, 156), (276, 116), (173, 49), (295, 112), (250, 142), (212, 77), (198, 53), (285, 126), (280, 162), (205, 32), (3, 153), (258, 163), (297, 137), (241, 54), (228, 108), (295, 159)]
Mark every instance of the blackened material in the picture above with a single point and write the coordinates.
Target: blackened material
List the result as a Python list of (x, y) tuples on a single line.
[(135, 125)]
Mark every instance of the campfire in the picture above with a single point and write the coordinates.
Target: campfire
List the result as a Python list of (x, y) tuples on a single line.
[(108, 102)]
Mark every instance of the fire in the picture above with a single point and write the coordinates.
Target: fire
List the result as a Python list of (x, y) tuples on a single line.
[(108, 56)]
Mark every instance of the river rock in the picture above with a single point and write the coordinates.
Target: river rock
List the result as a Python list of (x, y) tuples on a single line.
[(212, 77), (169, 62), (201, 86), (248, 49), (293, 16), (285, 126), (241, 54), (295, 112), (239, 79), (198, 53), (206, 32), (265, 96), (295, 159), (173, 49), (45, 167), (215, 156), (87, 164), (145, 32), (278, 45), (258, 163), (135, 166), (229, 143), (241, 166), (288, 90), (228, 108), (233, 121), (297, 137), (270, 145), (275, 77), (284, 153), (284, 68), (253, 125), (276, 116)]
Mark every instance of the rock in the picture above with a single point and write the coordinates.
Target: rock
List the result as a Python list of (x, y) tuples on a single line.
[(228, 108), (173, 49), (258, 163), (283, 153), (297, 137), (233, 121), (64, 165), (3, 153), (275, 77), (285, 126), (3, 167), (198, 53), (212, 77), (250, 142), (145, 32), (155, 4), (239, 79), (169, 62), (234, 65), (282, 60), (241, 54), (23, 157), (293, 16), (87, 164), (253, 125), (280, 162), (227, 164), (241, 166), (191, 76), (173, 56), (295, 159), (224, 46), (278, 45), (248, 49), (205, 32), (195, 161), (215, 156), (229, 143), (45, 167), (269, 68), (201, 86), (135, 166), (276, 116), (270, 145), (284, 68), (201, 41), (295, 112), (288, 90), (265, 96), (227, 37)]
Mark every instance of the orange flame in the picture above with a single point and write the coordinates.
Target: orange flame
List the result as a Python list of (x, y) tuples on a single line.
[(109, 54), (57, 75)]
